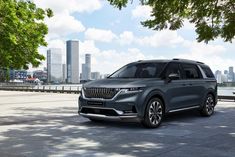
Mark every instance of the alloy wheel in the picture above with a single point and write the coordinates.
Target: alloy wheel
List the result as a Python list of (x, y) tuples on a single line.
[(210, 105), (155, 113)]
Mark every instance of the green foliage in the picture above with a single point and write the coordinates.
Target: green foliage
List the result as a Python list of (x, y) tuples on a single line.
[(22, 32), (212, 18)]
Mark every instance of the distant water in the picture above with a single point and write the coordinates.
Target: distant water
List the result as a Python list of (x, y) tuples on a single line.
[(226, 90)]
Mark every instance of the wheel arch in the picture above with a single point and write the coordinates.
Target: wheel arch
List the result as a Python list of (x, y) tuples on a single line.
[(213, 94), (209, 91), (154, 94)]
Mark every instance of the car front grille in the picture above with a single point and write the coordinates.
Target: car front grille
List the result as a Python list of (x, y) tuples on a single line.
[(101, 93)]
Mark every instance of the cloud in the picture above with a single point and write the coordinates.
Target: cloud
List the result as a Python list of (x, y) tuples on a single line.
[(72, 6), (126, 38), (156, 39), (101, 35), (162, 38), (63, 24), (108, 61), (210, 54), (142, 11)]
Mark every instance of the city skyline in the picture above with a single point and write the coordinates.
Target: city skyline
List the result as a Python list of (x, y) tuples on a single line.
[(119, 38), (225, 75)]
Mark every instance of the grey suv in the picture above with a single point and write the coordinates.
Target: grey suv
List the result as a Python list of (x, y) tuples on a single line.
[(148, 90)]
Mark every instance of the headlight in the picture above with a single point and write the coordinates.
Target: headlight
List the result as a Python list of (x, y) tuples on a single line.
[(132, 90)]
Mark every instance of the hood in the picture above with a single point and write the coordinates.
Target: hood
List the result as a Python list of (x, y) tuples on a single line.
[(119, 83)]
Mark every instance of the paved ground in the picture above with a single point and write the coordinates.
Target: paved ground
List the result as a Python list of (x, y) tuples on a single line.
[(46, 124)]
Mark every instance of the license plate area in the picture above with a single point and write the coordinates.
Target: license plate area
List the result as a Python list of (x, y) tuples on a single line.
[(95, 103)]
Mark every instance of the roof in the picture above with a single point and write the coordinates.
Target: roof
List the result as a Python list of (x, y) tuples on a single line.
[(168, 60)]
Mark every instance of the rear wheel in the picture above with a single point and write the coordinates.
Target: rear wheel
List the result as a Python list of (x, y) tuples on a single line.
[(208, 107), (153, 113)]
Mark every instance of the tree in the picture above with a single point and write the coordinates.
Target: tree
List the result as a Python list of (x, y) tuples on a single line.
[(22, 32), (212, 18)]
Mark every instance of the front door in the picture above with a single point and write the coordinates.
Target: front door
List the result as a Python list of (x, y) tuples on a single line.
[(177, 90)]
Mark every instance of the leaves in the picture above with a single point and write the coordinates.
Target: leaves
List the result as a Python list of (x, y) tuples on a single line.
[(212, 18), (22, 32)]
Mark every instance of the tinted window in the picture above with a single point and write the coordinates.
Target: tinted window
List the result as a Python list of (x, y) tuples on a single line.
[(207, 71), (172, 68), (191, 71), (139, 70)]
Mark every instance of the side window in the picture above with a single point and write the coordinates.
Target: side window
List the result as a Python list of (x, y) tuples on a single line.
[(191, 71), (173, 68), (207, 71)]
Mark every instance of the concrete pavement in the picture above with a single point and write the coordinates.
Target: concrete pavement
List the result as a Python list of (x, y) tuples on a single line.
[(47, 124)]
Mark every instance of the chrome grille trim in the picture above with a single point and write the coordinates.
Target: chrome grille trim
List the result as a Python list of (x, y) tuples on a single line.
[(100, 93)]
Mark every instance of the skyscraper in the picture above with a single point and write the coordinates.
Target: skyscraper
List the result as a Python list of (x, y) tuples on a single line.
[(72, 48), (225, 72), (86, 68), (54, 65), (83, 71), (219, 76), (64, 69), (230, 74), (95, 75)]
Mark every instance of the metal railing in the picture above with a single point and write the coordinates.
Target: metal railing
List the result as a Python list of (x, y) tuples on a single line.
[(43, 88), (69, 89)]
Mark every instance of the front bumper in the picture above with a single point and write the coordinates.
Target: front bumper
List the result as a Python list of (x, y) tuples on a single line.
[(122, 106), (106, 113)]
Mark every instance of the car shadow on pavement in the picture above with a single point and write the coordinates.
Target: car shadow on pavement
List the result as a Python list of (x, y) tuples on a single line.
[(61, 132)]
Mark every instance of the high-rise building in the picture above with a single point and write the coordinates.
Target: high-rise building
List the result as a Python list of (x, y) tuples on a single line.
[(86, 68), (219, 76), (54, 65), (95, 75), (83, 75), (230, 74), (64, 70), (72, 48), (225, 72)]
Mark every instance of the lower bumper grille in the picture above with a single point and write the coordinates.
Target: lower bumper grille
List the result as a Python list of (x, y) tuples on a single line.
[(106, 112)]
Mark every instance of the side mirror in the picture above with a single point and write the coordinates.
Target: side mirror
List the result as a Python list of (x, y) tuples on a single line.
[(173, 76)]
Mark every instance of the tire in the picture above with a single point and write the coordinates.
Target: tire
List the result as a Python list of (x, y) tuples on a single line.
[(208, 106), (153, 114), (95, 120)]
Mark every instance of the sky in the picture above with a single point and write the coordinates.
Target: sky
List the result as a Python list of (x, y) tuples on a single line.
[(115, 37)]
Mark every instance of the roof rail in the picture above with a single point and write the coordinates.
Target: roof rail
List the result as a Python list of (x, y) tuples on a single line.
[(199, 62), (187, 60)]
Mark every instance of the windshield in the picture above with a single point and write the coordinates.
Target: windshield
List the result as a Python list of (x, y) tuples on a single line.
[(139, 70)]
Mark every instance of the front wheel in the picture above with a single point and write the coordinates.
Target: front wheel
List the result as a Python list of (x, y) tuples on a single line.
[(153, 113), (208, 107)]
